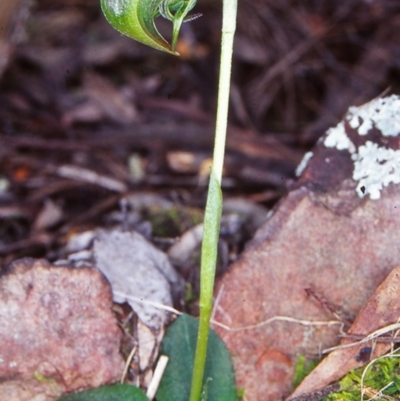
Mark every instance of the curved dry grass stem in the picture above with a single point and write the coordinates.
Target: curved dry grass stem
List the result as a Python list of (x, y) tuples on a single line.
[(127, 363), (379, 394), (391, 328), (259, 325)]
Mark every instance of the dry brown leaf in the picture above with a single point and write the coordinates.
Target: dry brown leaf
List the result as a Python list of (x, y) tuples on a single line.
[(139, 274)]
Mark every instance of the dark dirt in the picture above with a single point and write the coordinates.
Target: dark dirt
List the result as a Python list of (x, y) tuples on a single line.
[(74, 92)]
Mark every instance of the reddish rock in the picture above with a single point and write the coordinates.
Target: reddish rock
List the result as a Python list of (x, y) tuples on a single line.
[(275, 364), (57, 331), (327, 246)]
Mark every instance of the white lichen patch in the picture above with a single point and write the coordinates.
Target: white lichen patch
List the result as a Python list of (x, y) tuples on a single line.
[(382, 113), (117, 6), (303, 164), (375, 168), (337, 138)]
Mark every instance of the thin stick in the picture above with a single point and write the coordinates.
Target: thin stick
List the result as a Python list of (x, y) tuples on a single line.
[(287, 319), (127, 364), (259, 325), (157, 376), (372, 336)]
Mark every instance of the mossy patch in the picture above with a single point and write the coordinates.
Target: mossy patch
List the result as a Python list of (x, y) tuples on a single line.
[(303, 367), (172, 222), (379, 380)]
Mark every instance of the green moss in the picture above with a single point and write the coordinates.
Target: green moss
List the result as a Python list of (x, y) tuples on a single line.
[(302, 369), (240, 392), (382, 375), (173, 221), (190, 296)]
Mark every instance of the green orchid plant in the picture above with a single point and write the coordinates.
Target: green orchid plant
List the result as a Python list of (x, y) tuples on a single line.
[(135, 18)]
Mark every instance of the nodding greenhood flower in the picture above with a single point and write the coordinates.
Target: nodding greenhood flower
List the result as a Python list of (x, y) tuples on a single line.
[(135, 18)]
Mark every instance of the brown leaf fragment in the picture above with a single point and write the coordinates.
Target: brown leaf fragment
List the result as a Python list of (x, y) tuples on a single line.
[(382, 310), (115, 104), (11, 26), (50, 214), (139, 274), (83, 174), (318, 394)]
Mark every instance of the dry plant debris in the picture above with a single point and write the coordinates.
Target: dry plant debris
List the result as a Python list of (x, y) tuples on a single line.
[(138, 271)]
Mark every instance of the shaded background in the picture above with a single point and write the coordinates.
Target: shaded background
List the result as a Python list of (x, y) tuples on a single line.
[(87, 115)]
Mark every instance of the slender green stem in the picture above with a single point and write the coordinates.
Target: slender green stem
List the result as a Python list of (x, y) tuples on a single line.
[(228, 32), (213, 210)]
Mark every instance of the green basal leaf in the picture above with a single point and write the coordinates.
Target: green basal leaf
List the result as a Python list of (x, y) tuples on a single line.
[(179, 345), (115, 392), (135, 18)]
